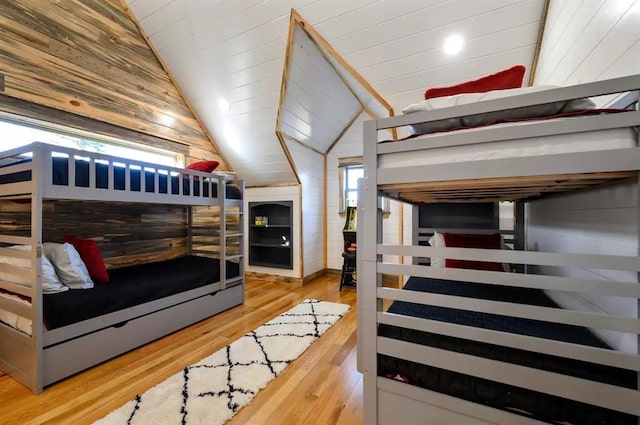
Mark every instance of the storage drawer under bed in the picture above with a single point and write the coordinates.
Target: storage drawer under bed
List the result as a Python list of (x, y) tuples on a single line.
[(69, 357)]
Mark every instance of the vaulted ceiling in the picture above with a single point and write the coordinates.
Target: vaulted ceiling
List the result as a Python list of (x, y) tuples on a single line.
[(311, 80), (234, 50), (321, 94)]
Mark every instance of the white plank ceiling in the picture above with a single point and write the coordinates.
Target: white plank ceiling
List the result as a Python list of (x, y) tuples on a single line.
[(318, 105), (234, 50)]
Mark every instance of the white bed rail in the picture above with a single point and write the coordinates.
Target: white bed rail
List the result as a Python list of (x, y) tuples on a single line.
[(557, 384), (18, 350), (155, 183), (560, 94), (26, 173)]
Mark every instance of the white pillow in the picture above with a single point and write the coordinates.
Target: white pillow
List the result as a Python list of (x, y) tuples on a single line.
[(68, 264), (430, 105), (226, 176), (437, 241), (476, 120), (50, 282)]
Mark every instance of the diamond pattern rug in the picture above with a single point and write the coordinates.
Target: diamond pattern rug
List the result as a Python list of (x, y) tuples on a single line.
[(217, 387)]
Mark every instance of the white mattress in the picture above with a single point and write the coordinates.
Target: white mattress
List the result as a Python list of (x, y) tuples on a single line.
[(13, 320), (617, 138)]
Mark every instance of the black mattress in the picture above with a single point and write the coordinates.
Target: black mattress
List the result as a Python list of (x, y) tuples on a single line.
[(540, 406), (130, 286), (166, 184)]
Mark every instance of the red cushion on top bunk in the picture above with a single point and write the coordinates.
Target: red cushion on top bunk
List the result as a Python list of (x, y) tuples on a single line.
[(91, 256), (506, 79), (204, 166), (460, 240)]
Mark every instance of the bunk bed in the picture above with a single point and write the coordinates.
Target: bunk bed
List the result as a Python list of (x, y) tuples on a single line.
[(49, 336), (470, 343)]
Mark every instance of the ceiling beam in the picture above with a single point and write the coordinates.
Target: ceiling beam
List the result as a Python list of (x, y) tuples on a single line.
[(345, 129), (536, 54)]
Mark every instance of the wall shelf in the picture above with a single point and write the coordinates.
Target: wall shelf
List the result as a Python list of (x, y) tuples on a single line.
[(271, 244)]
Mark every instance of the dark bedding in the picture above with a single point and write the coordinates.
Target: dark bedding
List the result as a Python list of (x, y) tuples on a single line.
[(140, 180), (130, 286), (538, 405)]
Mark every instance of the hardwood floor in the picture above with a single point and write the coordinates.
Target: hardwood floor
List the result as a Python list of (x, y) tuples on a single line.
[(322, 386)]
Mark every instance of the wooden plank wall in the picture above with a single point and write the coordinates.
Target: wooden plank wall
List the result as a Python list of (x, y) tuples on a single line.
[(87, 57), (206, 234), (126, 233)]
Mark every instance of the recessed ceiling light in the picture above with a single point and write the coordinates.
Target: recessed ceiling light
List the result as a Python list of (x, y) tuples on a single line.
[(453, 44), (224, 105)]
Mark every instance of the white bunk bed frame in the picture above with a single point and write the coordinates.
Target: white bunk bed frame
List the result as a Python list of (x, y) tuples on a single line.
[(50, 355), (388, 401)]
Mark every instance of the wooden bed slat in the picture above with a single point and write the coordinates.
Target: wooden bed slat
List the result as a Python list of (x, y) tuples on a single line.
[(497, 189)]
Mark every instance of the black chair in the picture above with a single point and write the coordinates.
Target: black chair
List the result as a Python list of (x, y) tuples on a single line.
[(348, 276)]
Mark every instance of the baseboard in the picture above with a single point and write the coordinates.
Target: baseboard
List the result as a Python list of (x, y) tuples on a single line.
[(274, 278), (315, 275), (387, 279)]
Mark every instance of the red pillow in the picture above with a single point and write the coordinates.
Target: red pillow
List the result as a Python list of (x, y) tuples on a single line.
[(457, 240), (90, 254), (507, 79), (204, 166)]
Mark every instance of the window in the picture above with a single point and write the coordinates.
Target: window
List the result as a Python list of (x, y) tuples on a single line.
[(351, 175), (349, 171), (15, 135)]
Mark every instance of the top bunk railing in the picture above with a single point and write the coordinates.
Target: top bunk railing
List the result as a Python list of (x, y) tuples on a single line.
[(560, 94), (68, 173), (416, 170)]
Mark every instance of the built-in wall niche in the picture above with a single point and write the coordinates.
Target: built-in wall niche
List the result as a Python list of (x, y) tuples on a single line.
[(270, 234)]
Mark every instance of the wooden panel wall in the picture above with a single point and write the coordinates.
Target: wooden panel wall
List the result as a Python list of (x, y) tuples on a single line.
[(598, 221), (589, 41), (87, 57), (206, 231), (126, 233)]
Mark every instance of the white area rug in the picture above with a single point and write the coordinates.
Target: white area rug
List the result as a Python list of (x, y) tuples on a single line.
[(217, 387)]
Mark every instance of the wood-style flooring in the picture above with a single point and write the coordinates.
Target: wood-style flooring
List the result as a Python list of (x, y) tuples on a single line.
[(322, 386)]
